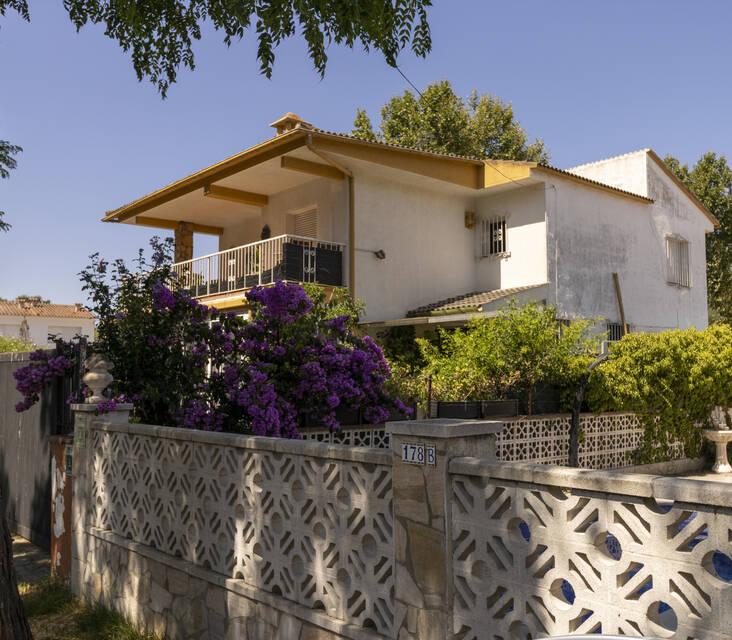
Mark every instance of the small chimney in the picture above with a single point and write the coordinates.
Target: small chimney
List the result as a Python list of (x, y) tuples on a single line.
[(78, 306), (288, 122)]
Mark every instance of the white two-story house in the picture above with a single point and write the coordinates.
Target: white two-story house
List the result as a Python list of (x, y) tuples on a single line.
[(424, 238)]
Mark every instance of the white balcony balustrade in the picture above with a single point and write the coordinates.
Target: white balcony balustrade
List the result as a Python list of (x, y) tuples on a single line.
[(286, 257)]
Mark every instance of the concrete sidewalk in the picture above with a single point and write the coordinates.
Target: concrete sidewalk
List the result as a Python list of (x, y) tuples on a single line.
[(32, 564)]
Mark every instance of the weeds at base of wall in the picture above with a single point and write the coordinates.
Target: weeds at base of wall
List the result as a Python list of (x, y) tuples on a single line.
[(54, 614)]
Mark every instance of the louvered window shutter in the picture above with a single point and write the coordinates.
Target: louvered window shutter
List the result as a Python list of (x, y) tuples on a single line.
[(306, 224)]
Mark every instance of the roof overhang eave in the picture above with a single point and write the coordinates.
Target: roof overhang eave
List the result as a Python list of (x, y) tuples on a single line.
[(428, 320), (253, 156), (702, 208)]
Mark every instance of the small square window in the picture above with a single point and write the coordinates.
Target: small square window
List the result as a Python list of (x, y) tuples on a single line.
[(677, 260), (493, 237)]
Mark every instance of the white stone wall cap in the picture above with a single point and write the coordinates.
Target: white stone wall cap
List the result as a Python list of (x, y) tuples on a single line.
[(261, 443), (127, 406), (686, 490), (444, 428), (566, 416), (693, 490)]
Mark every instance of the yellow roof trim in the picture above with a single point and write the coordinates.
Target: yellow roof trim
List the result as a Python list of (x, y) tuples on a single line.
[(709, 215), (498, 172)]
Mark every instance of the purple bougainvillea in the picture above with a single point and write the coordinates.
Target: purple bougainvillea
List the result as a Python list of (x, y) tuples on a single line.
[(32, 379), (282, 369)]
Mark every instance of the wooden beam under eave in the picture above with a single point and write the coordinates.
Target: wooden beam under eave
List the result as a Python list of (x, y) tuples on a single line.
[(235, 195), (313, 168), (159, 223)]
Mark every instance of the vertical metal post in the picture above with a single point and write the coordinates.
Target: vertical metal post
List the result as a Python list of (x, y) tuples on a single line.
[(429, 396)]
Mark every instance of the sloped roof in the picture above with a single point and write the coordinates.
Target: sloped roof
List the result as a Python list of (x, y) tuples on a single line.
[(44, 310), (474, 300), (526, 163)]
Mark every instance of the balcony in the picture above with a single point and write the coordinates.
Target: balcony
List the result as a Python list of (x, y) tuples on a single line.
[(286, 257)]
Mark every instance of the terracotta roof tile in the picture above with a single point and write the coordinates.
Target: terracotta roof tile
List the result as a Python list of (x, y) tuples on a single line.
[(44, 310), (469, 300)]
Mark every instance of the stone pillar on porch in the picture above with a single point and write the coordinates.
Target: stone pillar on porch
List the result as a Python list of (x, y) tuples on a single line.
[(184, 241), (423, 581)]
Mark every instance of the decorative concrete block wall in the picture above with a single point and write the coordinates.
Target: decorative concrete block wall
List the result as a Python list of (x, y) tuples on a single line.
[(296, 525), (207, 536), (608, 440), (550, 551)]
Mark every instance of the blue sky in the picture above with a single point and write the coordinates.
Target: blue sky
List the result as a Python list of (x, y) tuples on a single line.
[(593, 79)]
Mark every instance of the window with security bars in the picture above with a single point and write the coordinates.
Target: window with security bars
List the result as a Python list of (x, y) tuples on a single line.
[(493, 237), (614, 331), (677, 259)]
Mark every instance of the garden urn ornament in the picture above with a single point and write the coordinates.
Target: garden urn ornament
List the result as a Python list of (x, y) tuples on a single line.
[(720, 435), (97, 377)]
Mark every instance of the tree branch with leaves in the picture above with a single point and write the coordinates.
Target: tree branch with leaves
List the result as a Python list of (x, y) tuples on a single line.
[(159, 35), (7, 163)]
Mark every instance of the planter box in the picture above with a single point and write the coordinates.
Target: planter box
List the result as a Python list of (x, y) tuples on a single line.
[(500, 408), (461, 410), (344, 415)]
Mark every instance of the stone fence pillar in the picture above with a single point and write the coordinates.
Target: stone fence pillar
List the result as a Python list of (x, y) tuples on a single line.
[(83, 416), (422, 523)]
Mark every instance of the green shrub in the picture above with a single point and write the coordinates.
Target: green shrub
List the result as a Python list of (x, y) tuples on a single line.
[(671, 380), (15, 344), (520, 347)]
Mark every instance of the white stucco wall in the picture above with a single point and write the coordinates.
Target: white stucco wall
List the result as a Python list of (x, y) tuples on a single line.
[(430, 254), (593, 234), (40, 327), (524, 209)]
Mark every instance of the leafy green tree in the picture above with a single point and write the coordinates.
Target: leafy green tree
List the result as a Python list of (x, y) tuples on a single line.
[(7, 163), (520, 347), (159, 35), (362, 127), (483, 126), (710, 180)]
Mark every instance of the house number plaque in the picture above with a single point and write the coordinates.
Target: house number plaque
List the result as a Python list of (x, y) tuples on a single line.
[(419, 454), (80, 431), (69, 456)]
